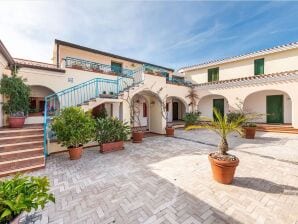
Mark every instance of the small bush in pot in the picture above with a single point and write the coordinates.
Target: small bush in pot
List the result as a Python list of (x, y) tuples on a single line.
[(249, 129), (223, 164), (17, 94), (191, 118), (74, 128), (111, 134), (22, 194)]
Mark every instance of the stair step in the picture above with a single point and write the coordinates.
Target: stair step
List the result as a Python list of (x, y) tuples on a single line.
[(21, 164), (20, 146), (19, 154), (20, 139), (21, 170), (20, 132)]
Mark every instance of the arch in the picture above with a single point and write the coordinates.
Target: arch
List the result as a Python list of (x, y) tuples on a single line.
[(259, 102), (155, 121), (176, 108), (37, 99), (206, 104)]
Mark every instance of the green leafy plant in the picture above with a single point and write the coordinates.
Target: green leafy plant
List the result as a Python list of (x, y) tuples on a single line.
[(23, 193), (193, 97), (111, 130), (234, 116), (73, 127), (191, 118), (101, 113), (17, 93), (249, 124), (223, 128)]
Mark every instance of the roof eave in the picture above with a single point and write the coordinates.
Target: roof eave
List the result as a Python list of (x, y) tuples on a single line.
[(6, 54)]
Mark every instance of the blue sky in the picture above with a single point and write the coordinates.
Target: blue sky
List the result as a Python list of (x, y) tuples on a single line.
[(172, 34)]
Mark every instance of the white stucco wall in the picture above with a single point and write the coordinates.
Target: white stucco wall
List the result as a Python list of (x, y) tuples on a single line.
[(3, 64), (205, 105), (256, 103), (275, 62)]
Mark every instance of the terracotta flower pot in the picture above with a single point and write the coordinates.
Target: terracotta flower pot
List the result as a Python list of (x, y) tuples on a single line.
[(16, 122), (170, 131), (223, 171), (75, 153), (111, 146), (137, 136), (249, 132)]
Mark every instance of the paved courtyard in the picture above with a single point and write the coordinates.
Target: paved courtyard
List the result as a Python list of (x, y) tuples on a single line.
[(168, 180)]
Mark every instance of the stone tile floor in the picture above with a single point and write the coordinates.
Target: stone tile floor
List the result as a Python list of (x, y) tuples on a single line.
[(168, 180)]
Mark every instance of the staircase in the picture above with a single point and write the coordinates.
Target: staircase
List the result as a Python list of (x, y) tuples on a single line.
[(278, 128), (21, 150)]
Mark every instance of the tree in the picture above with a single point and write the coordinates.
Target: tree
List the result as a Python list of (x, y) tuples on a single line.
[(193, 97)]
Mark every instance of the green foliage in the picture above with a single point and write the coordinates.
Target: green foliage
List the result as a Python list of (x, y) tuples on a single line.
[(191, 118), (111, 130), (223, 128), (17, 93), (23, 193), (249, 125), (73, 127), (234, 116), (102, 113)]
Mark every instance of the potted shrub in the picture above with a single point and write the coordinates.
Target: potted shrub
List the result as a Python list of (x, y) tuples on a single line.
[(73, 128), (17, 94), (249, 130), (22, 194), (111, 134), (191, 118), (223, 165)]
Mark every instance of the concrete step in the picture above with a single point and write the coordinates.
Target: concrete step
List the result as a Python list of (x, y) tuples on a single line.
[(20, 146), (22, 166), (20, 139), (20, 154), (20, 132)]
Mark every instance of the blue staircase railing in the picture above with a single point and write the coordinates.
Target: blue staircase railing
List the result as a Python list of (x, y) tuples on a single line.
[(82, 93)]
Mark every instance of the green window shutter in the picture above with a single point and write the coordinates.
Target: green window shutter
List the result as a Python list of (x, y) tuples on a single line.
[(116, 67), (259, 66), (213, 74)]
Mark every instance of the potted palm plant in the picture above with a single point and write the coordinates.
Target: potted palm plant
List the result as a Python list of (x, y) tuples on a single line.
[(223, 165), (111, 134), (17, 94), (73, 128), (22, 194)]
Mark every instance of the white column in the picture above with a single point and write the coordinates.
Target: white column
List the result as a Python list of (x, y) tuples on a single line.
[(116, 110), (295, 110)]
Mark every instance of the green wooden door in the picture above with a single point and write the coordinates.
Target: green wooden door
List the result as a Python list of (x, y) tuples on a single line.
[(274, 111), (219, 104)]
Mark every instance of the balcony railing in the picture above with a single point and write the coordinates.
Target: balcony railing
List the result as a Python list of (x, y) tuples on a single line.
[(96, 67), (178, 81)]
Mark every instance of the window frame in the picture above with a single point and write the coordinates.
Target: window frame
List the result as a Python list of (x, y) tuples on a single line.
[(212, 76), (256, 69)]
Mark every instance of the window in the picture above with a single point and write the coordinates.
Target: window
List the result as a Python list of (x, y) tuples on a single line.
[(213, 74), (259, 66), (116, 67), (178, 79), (144, 110), (167, 107)]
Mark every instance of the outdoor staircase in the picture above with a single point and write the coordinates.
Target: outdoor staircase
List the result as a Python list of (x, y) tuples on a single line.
[(21, 149), (278, 128)]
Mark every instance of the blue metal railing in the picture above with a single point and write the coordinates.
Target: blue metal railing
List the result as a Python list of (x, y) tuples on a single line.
[(86, 91), (71, 62)]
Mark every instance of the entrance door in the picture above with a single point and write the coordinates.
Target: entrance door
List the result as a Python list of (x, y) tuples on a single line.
[(274, 109), (219, 104), (175, 111)]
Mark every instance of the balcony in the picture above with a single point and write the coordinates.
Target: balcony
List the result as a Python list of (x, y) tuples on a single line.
[(81, 64), (178, 81)]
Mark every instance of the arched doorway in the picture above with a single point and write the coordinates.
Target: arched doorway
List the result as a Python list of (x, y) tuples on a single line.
[(146, 112), (176, 109), (274, 106), (37, 104), (207, 103)]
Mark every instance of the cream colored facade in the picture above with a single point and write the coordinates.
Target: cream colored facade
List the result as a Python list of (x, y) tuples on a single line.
[(237, 83)]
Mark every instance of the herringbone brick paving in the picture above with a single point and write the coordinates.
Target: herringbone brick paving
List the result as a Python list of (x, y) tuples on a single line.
[(168, 180)]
